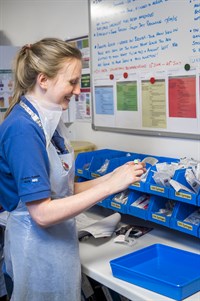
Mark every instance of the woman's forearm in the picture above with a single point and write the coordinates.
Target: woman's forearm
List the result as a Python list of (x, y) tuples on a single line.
[(48, 212), (82, 186)]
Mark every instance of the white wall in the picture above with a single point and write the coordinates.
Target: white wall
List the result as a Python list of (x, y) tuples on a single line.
[(26, 21), (169, 147)]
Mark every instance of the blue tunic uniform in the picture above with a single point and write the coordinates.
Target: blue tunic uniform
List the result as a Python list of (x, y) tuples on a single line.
[(44, 263)]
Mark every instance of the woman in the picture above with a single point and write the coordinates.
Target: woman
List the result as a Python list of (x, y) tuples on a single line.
[(37, 176)]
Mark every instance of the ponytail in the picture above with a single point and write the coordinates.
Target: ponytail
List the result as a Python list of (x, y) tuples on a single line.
[(45, 56)]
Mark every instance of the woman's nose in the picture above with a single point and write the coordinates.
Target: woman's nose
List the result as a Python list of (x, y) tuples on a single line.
[(77, 90)]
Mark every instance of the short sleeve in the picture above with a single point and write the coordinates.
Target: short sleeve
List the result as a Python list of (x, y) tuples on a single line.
[(27, 159)]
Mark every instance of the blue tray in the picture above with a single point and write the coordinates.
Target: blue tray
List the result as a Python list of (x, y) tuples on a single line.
[(165, 270)]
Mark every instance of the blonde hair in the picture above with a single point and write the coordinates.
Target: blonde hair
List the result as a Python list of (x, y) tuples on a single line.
[(45, 56)]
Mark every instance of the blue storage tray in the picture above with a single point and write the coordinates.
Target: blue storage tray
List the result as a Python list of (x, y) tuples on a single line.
[(157, 203), (153, 188), (149, 185), (117, 206), (180, 213), (115, 159), (182, 195), (165, 270), (85, 160), (134, 210)]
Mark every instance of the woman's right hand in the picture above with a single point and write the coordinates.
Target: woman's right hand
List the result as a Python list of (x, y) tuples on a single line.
[(125, 175)]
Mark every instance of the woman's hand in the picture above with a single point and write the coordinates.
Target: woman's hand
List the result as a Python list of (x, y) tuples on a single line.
[(125, 175)]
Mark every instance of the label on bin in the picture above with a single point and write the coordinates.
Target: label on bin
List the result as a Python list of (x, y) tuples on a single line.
[(95, 175), (159, 218), (186, 226), (137, 184), (156, 188), (115, 205), (183, 195)]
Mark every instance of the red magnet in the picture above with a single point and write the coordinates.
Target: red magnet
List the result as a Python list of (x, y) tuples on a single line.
[(111, 76), (125, 74), (152, 80)]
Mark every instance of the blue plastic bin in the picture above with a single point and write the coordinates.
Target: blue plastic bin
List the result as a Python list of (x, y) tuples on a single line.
[(134, 210), (157, 203), (117, 206), (115, 159), (165, 270), (151, 186), (85, 160), (181, 212), (183, 195)]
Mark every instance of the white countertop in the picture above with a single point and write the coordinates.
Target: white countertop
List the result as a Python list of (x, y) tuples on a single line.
[(96, 254)]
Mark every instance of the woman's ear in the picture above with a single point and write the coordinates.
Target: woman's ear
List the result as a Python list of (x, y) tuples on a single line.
[(42, 81)]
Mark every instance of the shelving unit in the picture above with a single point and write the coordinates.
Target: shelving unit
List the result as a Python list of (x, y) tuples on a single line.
[(92, 164)]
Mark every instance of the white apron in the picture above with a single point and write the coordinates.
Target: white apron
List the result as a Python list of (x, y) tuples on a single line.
[(44, 263)]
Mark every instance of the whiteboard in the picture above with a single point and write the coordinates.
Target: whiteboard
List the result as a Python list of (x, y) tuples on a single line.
[(145, 66)]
